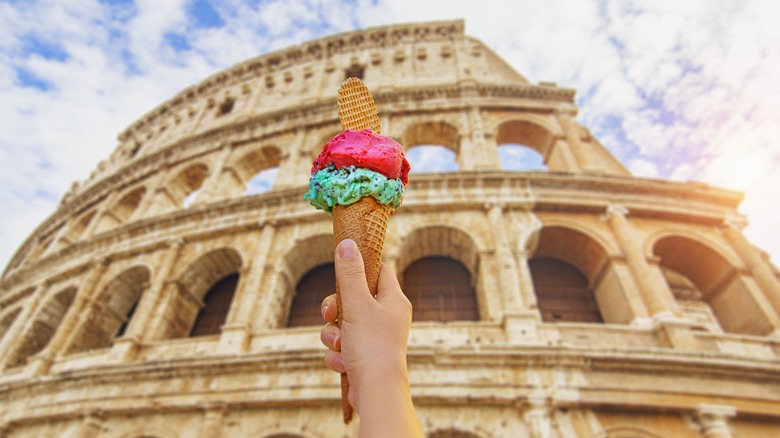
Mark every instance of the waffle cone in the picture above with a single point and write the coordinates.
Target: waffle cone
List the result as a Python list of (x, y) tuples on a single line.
[(365, 221)]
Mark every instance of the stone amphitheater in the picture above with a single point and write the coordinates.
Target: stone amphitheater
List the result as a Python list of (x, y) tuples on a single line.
[(170, 296)]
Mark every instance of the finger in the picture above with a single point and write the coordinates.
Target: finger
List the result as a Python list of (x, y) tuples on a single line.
[(329, 308), (334, 361), (330, 335), (388, 287), (351, 278)]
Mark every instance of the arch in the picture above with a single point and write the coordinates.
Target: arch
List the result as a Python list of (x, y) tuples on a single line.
[(572, 248), (649, 245), (438, 248), (123, 210), (115, 305), (431, 158), (7, 321), (439, 240), (44, 326), (314, 286), (193, 285), (440, 289), (216, 305), (256, 162), (563, 293), (736, 303), (431, 133), (525, 132), (518, 157), (75, 230), (187, 183), (308, 271)]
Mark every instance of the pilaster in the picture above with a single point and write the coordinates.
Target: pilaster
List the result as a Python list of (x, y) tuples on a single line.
[(508, 280), (759, 268), (713, 420)]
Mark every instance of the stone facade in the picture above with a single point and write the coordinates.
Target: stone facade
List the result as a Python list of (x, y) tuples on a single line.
[(97, 304)]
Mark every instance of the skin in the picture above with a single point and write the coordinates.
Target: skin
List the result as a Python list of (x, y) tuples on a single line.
[(371, 346)]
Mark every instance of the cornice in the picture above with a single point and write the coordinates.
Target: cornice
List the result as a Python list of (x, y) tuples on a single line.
[(372, 37)]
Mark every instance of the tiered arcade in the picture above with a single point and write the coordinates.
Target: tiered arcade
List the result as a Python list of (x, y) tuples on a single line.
[(170, 296)]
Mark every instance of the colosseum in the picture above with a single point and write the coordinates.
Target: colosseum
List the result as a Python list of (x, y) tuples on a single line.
[(171, 294)]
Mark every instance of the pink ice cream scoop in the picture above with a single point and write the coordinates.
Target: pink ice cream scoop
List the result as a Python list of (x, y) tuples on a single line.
[(364, 149)]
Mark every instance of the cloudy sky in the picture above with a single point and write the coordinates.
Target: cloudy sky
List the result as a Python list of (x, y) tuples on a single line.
[(678, 89)]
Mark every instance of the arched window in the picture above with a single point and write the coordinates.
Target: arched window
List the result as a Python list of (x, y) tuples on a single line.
[(112, 312), (440, 289), (431, 158), (734, 300), (262, 182), (6, 322), (216, 305), (314, 286), (562, 292), (185, 186), (691, 300), (45, 325), (519, 157)]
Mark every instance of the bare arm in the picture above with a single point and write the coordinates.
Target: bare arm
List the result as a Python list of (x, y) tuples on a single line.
[(371, 347)]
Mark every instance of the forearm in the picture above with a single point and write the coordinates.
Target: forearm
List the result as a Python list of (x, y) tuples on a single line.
[(385, 408)]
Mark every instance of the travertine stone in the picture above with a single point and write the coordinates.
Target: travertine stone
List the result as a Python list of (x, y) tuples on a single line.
[(688, 348)]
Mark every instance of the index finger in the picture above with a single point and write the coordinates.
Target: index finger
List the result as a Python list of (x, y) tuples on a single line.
[(330, 309)]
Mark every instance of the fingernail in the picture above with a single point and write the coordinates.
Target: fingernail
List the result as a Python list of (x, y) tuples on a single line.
[(347, 249), (323, 309)]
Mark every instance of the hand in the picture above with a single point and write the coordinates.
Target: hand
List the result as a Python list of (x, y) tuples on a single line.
[(371, 344)]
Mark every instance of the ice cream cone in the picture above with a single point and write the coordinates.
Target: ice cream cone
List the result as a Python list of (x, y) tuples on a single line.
[(365, 221)]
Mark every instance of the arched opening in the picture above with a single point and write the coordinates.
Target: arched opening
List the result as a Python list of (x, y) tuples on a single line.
[(313, 287), (121, 211), (7, 321), (526, 133), (562, 292), (257, 169), (309, 277), (573, 279), (439, 274), (184, 187), (46, 323), (721, 285), (202, 277), (216, 305), (691, 300), (431, 158), (520, 158), (116, 303), (431, 147), (440, 289), (76, 229)]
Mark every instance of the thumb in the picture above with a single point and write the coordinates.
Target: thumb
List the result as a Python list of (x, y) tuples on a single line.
[(351, 279)]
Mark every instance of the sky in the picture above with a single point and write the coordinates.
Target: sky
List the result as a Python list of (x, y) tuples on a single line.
[(682, 90)]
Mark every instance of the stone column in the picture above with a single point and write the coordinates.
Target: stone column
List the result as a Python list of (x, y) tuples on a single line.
[(213, 421), (294, 163), (22, 325), (484, 152), (508, 281), (762, 272), (561, 157), (42, 361), (713, 420), (537, 417), (655, 292), (578, 149), (125, 347), (91, 425), (210, 189), (238, 326)]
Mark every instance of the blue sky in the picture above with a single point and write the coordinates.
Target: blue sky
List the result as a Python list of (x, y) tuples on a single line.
[(680, 89)]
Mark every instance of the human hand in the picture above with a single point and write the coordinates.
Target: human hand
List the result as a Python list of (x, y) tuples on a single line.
[(371, 346)]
